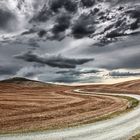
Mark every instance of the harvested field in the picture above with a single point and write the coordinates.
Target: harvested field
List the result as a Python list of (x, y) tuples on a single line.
[(31, 107), (132, 87)]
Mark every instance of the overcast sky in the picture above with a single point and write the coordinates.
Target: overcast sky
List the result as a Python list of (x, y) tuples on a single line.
[(70, 41)]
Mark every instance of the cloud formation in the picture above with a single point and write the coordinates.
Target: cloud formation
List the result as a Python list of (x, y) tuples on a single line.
[(69, 5), (98, 19), (30, 71), (62, 23), (8, 70), (79, 72), (6, 19), (119, 20), (74, 29), (53, 60), (79, 76), (123, 73), (83, 26), (88, 3)]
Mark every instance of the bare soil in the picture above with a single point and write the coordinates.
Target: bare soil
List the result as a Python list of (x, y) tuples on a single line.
[(31, 107), (132, 87)]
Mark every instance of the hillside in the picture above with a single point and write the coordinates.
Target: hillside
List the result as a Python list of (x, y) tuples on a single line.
[(132, 85), (24, 82)]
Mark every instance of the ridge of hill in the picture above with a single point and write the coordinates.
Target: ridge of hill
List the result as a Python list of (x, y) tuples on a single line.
[(20, 81)]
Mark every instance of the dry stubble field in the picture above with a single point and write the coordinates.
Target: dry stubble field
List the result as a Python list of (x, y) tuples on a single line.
[(32, 106)]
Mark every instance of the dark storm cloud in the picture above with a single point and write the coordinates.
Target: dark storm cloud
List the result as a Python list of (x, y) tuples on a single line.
[(134, 13), (55, 5), (42, 33), (72, 22), (5, 17), (33, 43), (66, 79), (82, 76), (88, 3), (78, 75), (62, 23), (68, 14), (78, 72), (122, 23), (43, 15), (130, 62), (73, 79), (118, 20), (84, 26), (52, 9), (30, 31), (69, 5), (123, 74), (53, 60), (8, 70)]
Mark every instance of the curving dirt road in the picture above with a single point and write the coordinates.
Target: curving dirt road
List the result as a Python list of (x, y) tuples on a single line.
[(119, 128)]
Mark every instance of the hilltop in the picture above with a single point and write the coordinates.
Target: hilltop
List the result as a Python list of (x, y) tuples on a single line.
[(20, 81)]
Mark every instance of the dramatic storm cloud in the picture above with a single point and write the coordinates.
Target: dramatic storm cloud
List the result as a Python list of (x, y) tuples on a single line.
[(7, 20), (84, 26), (8, 70), (70, 40), (5, 17), (69, 5), (62, 23), (53, 60)]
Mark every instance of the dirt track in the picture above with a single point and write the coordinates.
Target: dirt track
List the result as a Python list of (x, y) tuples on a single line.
[(27, 109)]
